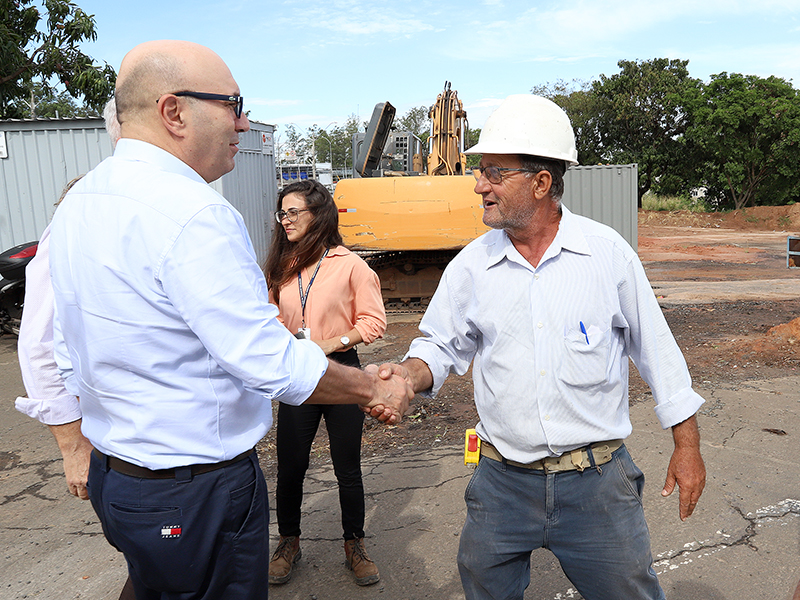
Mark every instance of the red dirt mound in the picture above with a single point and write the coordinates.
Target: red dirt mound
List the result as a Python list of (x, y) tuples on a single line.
[(786, 332)]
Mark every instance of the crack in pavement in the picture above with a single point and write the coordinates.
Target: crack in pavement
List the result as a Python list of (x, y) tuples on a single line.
[(731, 436), (784, 508), (41, 470)]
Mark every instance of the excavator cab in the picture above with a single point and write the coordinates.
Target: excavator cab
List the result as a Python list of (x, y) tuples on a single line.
[(371, 150)]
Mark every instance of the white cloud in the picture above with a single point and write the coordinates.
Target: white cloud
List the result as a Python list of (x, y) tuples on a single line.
[(353, 18), (575, 31)]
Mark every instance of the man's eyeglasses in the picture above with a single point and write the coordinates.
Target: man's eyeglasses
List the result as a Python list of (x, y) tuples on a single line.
[(236, 102), (494, 174), (290, 214)]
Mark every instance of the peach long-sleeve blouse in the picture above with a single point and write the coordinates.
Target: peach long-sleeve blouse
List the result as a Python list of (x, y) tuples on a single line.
[(346, 293)]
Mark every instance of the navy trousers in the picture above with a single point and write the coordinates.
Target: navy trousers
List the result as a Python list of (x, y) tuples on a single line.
[(190, 538)]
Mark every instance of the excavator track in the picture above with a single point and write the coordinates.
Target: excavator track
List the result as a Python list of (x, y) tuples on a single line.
[(408, 278)]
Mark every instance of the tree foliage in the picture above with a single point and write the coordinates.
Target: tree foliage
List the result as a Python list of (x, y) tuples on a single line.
[(50, 103), (641, 116), (473, 135), (417, 121), (736, 136), (746, 139), (331, 144), (43, 48), (583, 109)]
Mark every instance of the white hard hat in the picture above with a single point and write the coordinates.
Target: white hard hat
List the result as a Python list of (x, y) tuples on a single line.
[(527, 124)]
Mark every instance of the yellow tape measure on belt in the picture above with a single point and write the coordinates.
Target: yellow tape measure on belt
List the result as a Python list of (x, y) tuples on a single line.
[(472, 447)]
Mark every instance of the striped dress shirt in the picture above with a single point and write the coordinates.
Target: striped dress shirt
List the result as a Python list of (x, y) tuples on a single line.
[(551, 343)]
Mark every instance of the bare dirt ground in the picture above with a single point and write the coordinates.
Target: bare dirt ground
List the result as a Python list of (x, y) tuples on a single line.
[(732, 341)]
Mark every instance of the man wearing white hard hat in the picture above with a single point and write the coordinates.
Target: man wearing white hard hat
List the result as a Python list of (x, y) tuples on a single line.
[(550, 306)]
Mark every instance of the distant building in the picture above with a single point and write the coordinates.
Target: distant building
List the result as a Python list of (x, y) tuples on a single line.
[(291, 172)]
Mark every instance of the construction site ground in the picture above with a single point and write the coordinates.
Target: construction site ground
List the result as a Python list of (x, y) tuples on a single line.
[(733, 305)]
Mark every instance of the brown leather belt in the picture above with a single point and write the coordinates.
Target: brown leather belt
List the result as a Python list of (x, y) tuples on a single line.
[(576, 460), (126, 468)]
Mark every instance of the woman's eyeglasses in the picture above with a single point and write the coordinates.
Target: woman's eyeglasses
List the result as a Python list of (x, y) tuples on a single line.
[(290, 214)]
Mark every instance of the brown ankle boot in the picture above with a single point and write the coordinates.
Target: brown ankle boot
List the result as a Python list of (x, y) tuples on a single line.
[(357, 560), (283, 559)]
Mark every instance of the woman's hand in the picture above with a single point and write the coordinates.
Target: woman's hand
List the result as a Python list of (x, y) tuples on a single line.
[(335, 344), (329, 346)]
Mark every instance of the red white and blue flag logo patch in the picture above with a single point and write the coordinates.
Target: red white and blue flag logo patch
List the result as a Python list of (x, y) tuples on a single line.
[(171, 531)]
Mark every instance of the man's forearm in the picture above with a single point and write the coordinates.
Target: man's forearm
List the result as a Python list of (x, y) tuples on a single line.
[(343, 385), (419, 374), (686, 434), (386, 399), (69, 437)]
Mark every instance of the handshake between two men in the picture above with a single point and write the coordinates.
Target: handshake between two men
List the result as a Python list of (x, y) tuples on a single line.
[(382, 392), (395, 387)]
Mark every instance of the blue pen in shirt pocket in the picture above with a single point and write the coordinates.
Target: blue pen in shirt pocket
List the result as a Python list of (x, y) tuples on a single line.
[(583, 331), (586, 356)]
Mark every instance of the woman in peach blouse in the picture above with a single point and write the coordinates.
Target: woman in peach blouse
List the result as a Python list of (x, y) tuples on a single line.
[(329, 295)]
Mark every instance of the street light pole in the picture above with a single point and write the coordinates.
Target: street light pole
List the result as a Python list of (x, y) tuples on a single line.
[(330, 144)]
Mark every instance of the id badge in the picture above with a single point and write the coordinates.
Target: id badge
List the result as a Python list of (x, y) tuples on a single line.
[(304, 333)]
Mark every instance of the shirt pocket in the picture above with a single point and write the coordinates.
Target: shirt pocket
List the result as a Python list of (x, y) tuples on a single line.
[(586, 357)]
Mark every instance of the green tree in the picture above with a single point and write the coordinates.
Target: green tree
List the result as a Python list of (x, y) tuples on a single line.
[(583, 107), (417, 121), (44, 49), (292, 146), (473, 135), (745, 139), (330, 145), (641, 117), (49, 103)]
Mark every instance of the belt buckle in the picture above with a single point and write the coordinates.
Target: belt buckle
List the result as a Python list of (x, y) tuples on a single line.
[(577, 457), (551, 464)]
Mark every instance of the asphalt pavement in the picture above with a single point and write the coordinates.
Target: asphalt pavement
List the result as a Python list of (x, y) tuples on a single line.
[(742, 543)]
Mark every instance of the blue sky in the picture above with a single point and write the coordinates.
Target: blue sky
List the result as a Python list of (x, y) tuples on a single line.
[(318, 61)]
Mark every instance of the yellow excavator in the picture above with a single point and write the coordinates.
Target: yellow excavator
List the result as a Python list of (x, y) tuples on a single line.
[(408, 223)]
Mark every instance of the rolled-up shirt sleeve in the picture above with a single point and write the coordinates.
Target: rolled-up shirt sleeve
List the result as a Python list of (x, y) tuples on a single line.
[(448, 343), (48, 400), (654, 350)]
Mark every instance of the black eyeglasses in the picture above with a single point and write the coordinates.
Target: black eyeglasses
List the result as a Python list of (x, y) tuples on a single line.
[(494, 174), (236, 102), (290, 214)]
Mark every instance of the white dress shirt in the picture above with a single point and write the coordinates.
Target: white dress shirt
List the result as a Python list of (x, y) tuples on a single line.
[(48, 400), (162, 321), (551, 344)]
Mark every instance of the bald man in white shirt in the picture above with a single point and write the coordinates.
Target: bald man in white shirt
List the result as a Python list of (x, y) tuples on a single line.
[(164, 330)]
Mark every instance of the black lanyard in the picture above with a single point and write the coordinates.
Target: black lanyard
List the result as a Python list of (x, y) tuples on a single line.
[(304, 296)]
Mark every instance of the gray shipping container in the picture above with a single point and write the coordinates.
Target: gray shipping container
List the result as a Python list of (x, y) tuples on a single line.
[(606, 193), (39, 157)]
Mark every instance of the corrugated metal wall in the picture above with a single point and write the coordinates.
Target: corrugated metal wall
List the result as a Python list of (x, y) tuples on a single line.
[(251, 186), (43, 155), (605, 193)]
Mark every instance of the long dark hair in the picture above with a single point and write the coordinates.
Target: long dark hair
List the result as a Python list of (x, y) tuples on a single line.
[(286, 258)]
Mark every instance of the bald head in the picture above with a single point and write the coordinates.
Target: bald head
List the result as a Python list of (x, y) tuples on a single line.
[(156, 68), (201, 131)]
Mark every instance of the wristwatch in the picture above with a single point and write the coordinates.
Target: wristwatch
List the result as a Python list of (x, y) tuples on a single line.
[(345, 341)]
